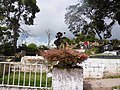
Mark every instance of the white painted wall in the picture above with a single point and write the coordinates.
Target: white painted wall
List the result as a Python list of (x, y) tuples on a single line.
[(32, 60), (92, 67), (98, 68), (67, 79)]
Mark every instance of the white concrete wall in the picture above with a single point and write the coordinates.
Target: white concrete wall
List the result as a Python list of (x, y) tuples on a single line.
[(92, 67), (32, 59), (98, 68), (67, 79)]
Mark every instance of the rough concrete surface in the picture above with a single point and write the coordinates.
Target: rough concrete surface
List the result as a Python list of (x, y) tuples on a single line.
[(101, 84), (67, 79)]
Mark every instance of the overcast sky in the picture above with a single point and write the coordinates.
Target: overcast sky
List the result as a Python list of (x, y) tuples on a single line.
[(51, 16)]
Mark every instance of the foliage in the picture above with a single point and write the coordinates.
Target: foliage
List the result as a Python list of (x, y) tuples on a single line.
[(105, 41), (115, 42), (5, 35), (112, 76), (116, 87), (62, 41), (93, 50), (81, 38), (22, 47), (66, 40), (32, 46), (6, 49), (12, 14), (58, 41), (93, 17), (65, 57), (31, 49), (43, 47)]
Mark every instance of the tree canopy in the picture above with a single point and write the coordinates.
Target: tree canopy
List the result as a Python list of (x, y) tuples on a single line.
[(13, 13), (93, 17), (82, 38), (31, 49)]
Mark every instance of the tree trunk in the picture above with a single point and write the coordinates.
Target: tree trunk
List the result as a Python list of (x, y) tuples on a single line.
[(67, 79), (15, 40)]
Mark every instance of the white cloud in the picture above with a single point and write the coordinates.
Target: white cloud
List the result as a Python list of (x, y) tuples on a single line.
[(51, 16), (35, 40), (116, 32)]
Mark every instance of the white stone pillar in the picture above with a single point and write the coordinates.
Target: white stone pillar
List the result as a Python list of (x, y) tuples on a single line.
[(67, 79)]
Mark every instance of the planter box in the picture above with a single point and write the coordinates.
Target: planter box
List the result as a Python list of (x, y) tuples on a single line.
[(67, 79)]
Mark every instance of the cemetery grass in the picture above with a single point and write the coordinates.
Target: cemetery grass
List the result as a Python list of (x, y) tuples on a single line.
[(25, 81), (116, 87), (112, 76)]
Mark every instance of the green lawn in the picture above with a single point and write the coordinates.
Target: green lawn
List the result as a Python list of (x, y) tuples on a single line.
[(116, 87), (112, 76), (43, 84)]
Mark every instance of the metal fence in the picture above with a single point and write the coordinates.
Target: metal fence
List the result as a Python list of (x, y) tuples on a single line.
[(25, 75)]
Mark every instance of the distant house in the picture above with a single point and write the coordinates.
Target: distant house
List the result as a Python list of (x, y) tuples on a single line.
[(115, 52), (118, 52), (108, 47)]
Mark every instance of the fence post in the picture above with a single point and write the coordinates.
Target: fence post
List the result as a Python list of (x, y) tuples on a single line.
[(67, 79)]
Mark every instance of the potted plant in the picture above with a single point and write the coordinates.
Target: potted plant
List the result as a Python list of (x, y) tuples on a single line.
[(67, 75), (65, 58)]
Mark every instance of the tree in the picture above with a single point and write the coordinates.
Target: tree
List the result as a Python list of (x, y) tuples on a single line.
[(62, 41), (5, 35), (49, 33), (43, 47), (115, 42), (82, 38), (5, 41), (59, 39), (93, 17), (31, 49), (67, 40), (15, 12), (6, 49), (90, 38), (79, 38)]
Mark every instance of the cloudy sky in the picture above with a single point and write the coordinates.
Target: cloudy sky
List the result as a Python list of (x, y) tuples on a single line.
[(51, 16)]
